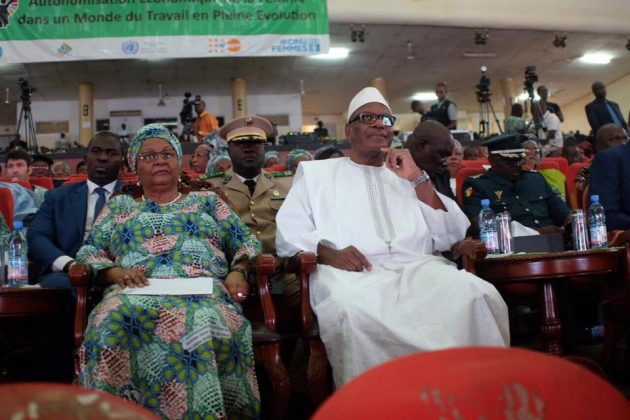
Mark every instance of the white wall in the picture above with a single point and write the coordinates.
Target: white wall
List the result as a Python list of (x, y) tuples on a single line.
[(219, 105)]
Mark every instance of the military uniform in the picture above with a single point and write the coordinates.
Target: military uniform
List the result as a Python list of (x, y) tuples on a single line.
[(530, 200)]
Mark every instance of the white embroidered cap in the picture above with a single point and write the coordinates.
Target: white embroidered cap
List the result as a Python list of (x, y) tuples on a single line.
[(365, 96)]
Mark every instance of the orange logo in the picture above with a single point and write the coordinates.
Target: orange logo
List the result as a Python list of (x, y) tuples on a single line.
[(234, 45)]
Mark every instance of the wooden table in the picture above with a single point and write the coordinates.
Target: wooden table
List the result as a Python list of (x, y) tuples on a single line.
[(544, 270), (31, 301)]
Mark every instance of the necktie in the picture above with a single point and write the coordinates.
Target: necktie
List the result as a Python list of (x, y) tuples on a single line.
[(613, 114), (100, 202), (251, 184)]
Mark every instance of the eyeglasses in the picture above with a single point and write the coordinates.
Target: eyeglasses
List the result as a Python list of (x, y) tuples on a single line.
[(620, 138), (369, 118), (152, 156), (40, 167)]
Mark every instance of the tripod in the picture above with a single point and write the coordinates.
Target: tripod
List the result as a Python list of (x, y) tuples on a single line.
[(485, 110), (26, 116)]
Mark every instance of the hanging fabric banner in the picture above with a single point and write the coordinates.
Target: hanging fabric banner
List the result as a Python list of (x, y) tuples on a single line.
[(60, 30)]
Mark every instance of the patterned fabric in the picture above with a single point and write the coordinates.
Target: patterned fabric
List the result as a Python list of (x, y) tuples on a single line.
[(271, 154), (296, 153), (151, 131), (179, 356), (214, 160), (4, 231)]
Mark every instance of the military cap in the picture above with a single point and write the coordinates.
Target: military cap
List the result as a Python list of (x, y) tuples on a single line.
[(250, 128), (507, 146)]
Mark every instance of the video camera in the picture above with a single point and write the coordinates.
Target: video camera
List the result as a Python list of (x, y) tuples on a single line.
[(530, 78), (186, 114), (483, 87), (25, 90)]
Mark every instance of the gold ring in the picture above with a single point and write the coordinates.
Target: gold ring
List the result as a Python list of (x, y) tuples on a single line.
[(126, 277)]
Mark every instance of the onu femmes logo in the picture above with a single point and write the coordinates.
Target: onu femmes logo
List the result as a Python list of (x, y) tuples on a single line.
[(7, 9)]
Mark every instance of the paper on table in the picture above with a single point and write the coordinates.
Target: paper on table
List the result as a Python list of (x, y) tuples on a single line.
[(521, 230), (174, 286)]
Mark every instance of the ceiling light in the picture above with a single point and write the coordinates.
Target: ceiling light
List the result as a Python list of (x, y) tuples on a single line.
[(596, 58), (481, 36), (560, 40), (334, 53), (424, 96)]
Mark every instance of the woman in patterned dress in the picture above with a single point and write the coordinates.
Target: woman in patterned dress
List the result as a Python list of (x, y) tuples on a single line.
[(180, 356)]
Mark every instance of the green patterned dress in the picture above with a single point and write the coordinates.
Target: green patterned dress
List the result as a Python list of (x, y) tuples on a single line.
[(4, 231), (180, 356)]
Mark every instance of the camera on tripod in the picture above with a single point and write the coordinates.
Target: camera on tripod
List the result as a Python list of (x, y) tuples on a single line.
[(25, 90), (530, 78), (186, 114), (483, 87)]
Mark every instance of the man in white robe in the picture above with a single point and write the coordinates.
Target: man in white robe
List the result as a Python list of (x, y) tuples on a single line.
[(381, 289)]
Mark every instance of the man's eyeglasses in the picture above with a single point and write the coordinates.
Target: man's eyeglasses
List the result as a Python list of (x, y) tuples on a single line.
[(620, 138), (152, 157), (369, 118)]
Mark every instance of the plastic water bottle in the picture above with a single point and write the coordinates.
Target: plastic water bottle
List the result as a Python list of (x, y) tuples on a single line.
[(488, 228), (597, 224), (17, 275)]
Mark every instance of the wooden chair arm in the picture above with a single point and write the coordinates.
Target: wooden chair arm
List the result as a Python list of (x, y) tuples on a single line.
[(264, 266), (618, 237), (306, 264), (80, 276)]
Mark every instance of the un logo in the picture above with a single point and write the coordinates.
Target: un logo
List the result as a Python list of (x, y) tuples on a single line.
[(130, 47)]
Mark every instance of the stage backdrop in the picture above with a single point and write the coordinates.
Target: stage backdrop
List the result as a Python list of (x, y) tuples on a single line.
[(59, 30)]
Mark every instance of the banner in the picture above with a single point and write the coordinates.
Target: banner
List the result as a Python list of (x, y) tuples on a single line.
[(60, 30)]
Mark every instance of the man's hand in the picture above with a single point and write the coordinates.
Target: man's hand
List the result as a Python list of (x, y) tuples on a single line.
[(468, 247), (401, 163), (348, 259)]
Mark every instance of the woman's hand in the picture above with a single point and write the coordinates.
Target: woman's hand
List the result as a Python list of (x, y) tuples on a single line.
[(237, 286), (126, 277)]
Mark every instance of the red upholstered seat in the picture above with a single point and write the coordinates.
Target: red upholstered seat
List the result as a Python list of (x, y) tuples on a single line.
[(6, 206), (572, 174), (25, 184), (42, 181), (563, 164), (549, 164), (475, 163), (474, 383)]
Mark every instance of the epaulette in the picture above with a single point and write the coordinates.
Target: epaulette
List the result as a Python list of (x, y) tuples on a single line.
[(279, 174), (227, 179), (213, 175)]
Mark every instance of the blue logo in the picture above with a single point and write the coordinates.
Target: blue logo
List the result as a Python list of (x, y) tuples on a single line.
[(130, 47)]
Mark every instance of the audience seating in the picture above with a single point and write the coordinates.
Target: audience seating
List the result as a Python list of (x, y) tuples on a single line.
[(6, 206), (42, 181), (25, 184), (462, 175), (572, 175), (477, 163), (563, 164), (266, 340), (548, 165), (475, 383)]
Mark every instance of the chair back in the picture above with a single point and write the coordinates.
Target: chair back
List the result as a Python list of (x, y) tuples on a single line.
[(582, 190), (476, 163), (6, 206), (43, 181), (23, 183), (563, 163), (572, 177), (461, 177), (474, 383), (549, 164)]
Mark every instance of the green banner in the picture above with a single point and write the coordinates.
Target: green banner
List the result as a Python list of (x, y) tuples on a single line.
[(50, 30)]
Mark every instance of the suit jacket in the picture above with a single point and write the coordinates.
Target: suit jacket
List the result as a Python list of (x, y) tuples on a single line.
[(598, 115), (59, 225), (610, 179), (258, 211)]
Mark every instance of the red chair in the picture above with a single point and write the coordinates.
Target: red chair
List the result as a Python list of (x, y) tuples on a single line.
[(461, 177), (474, 383), (43, 181), (572, 174), (562, 162), (477, 163), (25, 184), (549, 164), (6, 206)]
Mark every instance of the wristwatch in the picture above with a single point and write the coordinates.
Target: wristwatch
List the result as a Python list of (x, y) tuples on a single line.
[(424, 177)]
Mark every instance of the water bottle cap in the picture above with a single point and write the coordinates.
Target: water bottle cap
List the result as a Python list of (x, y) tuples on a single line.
[(17, 225), (485, 203), (594, 198)]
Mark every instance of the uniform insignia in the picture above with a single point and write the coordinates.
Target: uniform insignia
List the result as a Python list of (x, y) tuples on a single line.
[(468, 192), (276, 193), (213, 175), (280, 174), (227, 178), (268, 175), (499, 194)]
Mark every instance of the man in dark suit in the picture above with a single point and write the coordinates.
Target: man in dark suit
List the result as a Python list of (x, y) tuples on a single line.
[(610, 179), (67, 213), (602, 111)]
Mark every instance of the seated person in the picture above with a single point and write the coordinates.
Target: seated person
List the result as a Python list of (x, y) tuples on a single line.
[(610, 179), (60, 169), (19, 167), (571, 152), (179, 356), (380, 291), (81, 167), (321, 131), (62, 144), (200, 158), (219, 164), (610, 135), (454, 162), (523, 193), (67, 213), (294, 158), (533, 156), (24, 202), (272, 158), (328, 152), (41, 165)]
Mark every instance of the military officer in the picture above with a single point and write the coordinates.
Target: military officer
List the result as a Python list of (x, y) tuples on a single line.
[(256, 195), (523, 193)]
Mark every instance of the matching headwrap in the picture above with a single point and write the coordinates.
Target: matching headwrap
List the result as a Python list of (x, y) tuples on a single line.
[(152, 131), (296, 153), (271, 154), (326, 151), (367, 95), (214, 160)]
